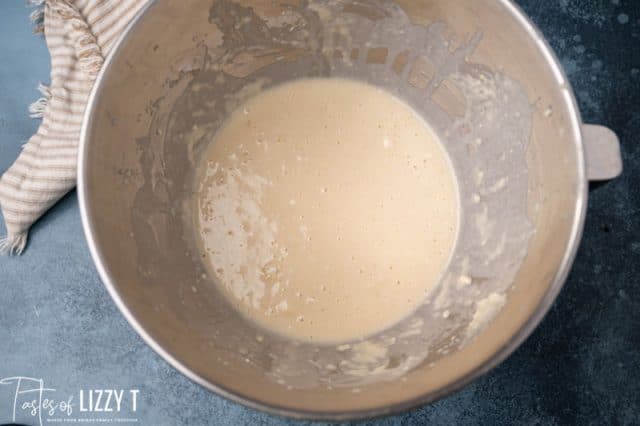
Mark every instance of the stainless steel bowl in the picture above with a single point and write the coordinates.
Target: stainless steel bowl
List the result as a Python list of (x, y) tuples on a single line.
[(183, 64)]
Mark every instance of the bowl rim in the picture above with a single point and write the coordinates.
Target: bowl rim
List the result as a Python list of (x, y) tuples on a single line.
[(498, 357)]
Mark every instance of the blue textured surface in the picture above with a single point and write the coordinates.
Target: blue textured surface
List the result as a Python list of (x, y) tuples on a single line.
[(581, 366)]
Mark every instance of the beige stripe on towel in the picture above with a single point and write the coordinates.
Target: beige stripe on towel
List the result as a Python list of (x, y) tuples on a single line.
[(79, 35)]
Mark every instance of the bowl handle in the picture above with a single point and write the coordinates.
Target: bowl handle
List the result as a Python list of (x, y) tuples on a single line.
[(602, 152)]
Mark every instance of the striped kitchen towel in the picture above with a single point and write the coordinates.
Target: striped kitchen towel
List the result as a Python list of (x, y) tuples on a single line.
[(79, 35)]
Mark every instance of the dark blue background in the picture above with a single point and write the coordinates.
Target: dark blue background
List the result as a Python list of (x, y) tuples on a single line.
[(581, 366)]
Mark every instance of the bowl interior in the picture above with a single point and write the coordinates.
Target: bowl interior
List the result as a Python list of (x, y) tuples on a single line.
[(479, 74)]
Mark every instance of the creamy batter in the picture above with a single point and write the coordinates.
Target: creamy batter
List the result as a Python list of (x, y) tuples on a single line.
[(327, 209)]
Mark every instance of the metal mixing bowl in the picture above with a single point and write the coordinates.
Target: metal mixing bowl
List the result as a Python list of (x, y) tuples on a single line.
[(477, 70)]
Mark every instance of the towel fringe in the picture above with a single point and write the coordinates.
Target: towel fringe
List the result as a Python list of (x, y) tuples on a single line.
[(37, 16), (38, 108), (13, 244), (44, 90)]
